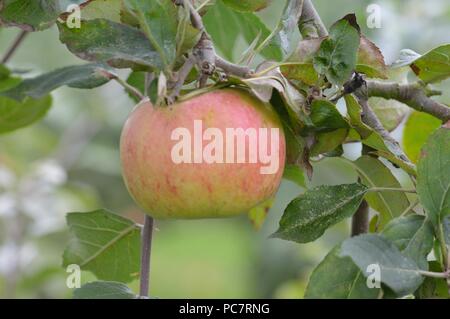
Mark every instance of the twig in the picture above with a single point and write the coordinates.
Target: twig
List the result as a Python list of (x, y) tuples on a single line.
[(129, 88), (196, 19), (181, 77), (431, 274), (409, 208), (205, 57), (204, 4), (19, 39), (360, 220), (413, 95), (231, 68), (369, 117), (146, 249)]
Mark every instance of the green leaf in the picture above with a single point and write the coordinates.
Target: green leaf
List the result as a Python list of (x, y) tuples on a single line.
[(433, 66), (225, 25), (104, 290), (328, 141), (137, 80), (15, 115), (247, 5), (158, 20), (32, 15), (80, 76), (413, 236), (390, 112), (338, 278), (303, 69), (326, 117), (103, 9), (4, 72), (6, 80), (354, 112), (371, 60), (406, 166), (308, 216), (294, 174), (117, 44), (258, 214), (337, 55), (374, 173), (413, 137), (398, 272), (104, 243), (433, 176), (295, 145)]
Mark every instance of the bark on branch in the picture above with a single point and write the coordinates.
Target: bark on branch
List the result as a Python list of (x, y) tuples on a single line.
[(17, 42), (413, 95), (369, 117), (360, 220)]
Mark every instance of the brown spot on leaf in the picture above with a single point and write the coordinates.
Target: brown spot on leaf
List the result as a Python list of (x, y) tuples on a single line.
[(423, 154), (415, 69)]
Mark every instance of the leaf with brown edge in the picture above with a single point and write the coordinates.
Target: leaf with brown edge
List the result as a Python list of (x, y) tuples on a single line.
[(433, 66), (371, 60), (337, 56)]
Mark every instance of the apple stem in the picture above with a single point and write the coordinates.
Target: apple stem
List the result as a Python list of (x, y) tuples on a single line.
[(146, 249)]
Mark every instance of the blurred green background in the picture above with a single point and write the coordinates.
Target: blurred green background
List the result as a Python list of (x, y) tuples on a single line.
[(70, 162)]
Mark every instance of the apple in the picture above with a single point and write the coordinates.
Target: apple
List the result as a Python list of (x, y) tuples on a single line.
[(217, 154)]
